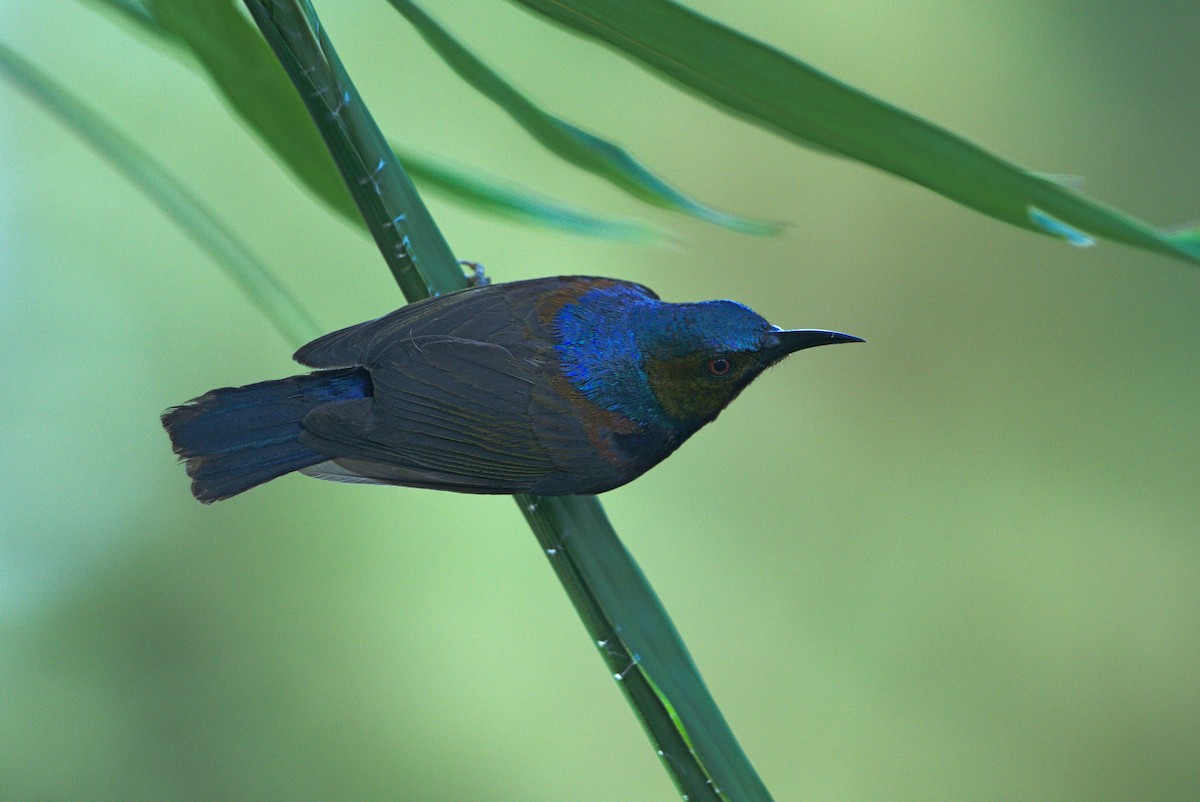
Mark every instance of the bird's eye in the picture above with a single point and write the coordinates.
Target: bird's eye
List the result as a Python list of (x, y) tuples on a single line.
[(718, 366)]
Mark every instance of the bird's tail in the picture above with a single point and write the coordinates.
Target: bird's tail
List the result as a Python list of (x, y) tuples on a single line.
[(236, 438)]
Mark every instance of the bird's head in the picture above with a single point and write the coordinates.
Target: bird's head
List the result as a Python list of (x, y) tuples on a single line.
[(698, 357), (666, 365)]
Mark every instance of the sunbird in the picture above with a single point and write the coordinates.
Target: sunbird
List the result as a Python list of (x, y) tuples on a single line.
[(552, 386)]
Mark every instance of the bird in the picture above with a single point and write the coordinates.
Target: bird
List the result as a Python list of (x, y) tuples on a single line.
[(566, 385)]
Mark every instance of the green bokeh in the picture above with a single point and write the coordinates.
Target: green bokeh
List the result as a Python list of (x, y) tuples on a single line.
[(959, 562)]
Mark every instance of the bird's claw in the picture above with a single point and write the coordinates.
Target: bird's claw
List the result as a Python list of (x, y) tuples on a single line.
[(478, 278)]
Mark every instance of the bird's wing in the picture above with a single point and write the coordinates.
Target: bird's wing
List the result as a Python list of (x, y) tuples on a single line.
[(445, 411)]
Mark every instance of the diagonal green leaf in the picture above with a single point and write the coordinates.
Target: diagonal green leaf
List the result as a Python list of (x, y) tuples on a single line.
[(132, 12), (785, 95), (645, 652), (1190, 238), (579, 147), (271, 298), (242, 68), (522, 206)]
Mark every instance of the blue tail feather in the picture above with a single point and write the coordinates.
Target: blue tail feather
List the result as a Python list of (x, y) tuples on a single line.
[(236, 438)]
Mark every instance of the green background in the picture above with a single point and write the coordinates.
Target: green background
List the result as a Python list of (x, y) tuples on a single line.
[(958, 562)]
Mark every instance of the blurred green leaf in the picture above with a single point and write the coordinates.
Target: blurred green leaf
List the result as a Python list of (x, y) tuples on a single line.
[(240, 65), (132, 11), (522, 206), (271, 298), (228, 49), (1189, 237), (581, 148), (785, 95)]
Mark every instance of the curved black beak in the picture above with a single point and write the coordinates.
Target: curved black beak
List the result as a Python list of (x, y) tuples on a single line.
[(791, 340)]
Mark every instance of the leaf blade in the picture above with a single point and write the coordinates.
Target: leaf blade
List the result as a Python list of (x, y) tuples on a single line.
[(581, 148), (506, 201), (226, 47), (783, 94)]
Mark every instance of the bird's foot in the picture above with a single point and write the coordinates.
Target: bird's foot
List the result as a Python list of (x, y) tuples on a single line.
[(477, 277)]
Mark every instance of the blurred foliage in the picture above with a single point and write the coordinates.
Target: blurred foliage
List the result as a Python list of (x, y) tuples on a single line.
[(768, 87), (981, 578)]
